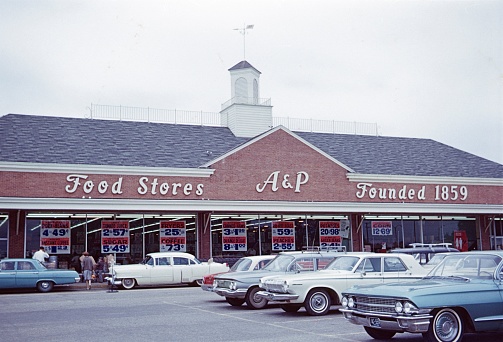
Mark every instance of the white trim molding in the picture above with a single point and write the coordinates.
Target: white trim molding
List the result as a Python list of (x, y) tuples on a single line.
[(358, 177), (91, 204), (105, 169)]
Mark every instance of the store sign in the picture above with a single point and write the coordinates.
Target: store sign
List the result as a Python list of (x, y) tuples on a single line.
[(381, 228), (115, 236), (286, 182), (173, 236), (283, 236), (234, 236), (55, 236), (146, 185), (404, 193)]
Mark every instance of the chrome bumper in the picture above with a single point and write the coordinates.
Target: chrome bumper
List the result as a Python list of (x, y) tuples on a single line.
[(277, 297), (411, 324), (239, 293)]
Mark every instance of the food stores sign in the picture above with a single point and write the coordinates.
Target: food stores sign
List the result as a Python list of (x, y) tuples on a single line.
[(274, 182)]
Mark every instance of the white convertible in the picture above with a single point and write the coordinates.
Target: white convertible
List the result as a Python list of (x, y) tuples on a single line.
[(165, 268), (317, 291)]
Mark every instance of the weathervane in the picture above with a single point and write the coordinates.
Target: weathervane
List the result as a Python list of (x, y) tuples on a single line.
[(243, 32)]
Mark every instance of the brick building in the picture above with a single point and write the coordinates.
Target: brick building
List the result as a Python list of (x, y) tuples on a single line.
[(130, 187)]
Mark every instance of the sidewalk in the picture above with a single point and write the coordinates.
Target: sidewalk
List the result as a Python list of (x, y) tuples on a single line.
[(94, 286)]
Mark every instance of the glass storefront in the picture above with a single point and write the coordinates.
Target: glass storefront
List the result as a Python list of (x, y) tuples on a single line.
[(4, 235), (388, 232), (496, 227), (232, 235)]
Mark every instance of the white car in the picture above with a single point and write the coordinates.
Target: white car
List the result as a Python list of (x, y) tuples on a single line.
[(165, 268), (244, 264), (318, 291)]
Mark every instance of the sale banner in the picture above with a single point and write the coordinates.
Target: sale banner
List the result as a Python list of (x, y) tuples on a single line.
[(234, 236), (381, 228), (173, 236), (283, 236), (330, 234), (55, 236), (115, 236)]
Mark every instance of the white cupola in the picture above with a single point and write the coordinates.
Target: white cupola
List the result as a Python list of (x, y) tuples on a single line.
[(246, 114)]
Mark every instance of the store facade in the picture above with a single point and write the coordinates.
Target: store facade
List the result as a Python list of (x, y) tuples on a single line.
[(264, 193)]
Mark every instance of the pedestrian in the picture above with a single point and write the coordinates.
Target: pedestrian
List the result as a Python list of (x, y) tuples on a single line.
[(41, 255), (100, 269), (88, 266)]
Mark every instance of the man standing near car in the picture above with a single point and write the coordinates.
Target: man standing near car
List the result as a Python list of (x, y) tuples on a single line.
[(41, 254), (88, 265)]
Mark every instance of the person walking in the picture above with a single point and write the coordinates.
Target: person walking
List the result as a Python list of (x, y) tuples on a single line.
[(88, 265), (41, 255)]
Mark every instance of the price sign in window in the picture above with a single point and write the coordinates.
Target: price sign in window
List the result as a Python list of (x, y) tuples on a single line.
[(234, 236), (55, 236), (115, 237), (330, 234), (382, 228), (173, 235), (283, 236)]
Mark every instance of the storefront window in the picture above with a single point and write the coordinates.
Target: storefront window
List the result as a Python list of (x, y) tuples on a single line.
[(4, 235), (381, 233), (262, 234), (85, 233)]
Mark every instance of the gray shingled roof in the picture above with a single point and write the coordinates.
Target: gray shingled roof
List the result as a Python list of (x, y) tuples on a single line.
[(47, 139)]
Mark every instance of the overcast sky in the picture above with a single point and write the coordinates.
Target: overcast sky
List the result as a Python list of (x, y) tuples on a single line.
[(422, 69)]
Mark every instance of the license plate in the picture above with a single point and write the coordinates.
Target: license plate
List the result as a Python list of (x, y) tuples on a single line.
[(375, 322)]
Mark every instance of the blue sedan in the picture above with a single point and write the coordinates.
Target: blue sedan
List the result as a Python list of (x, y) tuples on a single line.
[(463, 294), (30, 273)]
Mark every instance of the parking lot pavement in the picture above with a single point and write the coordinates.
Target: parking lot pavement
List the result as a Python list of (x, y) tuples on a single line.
[(174, 313)]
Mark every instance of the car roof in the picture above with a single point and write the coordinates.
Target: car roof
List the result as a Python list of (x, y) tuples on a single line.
[(160, 254)]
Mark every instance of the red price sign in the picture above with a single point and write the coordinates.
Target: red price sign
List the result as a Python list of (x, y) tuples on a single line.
[(234, 236), (173, 236), (55, 236), (115, 237)]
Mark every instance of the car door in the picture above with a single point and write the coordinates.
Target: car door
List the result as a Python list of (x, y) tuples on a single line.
[(183, 269), (7, 274), (26, 274), (370, 270), (162, 271), (394, 269)]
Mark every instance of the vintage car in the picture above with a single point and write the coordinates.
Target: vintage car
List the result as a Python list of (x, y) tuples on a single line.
[(247, 263), (463, 294), (31, 273), (318, 291), (241, 287), (424, 252), (165, 268)]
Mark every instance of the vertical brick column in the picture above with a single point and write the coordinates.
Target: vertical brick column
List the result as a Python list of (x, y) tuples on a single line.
[(204, 235), (16, 233), (356, 234)]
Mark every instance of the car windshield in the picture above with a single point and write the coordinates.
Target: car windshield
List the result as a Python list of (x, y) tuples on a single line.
[(346, 263), (280, 263), (435, 260), (242, 264), (471, 266)]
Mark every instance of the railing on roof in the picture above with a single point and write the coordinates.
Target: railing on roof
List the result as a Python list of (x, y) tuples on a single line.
[(185, 117)]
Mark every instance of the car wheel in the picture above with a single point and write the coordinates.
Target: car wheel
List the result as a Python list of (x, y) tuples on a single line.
[(289, 307), (380, 334), (446, 326), (235, 301), (128, 283), (45, 286), (253, 301), (317, 302)]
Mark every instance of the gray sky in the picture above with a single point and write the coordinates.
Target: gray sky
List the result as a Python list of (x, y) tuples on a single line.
[(423, 69)]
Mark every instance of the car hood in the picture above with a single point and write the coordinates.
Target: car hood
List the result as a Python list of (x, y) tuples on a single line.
[(423, 291), (248, 276), (321, 274)]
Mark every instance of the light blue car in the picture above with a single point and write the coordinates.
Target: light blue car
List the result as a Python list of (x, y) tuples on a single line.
[(463, 294), (30, 273)]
